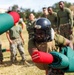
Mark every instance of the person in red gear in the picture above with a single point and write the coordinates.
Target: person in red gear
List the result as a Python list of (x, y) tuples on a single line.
[(46, 40)]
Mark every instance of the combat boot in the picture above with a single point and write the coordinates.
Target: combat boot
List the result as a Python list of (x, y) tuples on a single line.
[(25, 63)]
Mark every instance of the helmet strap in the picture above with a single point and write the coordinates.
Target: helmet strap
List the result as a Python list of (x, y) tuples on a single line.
[(52, 34)]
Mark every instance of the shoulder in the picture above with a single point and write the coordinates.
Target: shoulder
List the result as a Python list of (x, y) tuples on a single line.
[(59, 38), (55, 14), (19, 27), (56, 36), (67, 9)]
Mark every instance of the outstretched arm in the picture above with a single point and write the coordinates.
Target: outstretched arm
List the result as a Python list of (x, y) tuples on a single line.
[(68, 43)]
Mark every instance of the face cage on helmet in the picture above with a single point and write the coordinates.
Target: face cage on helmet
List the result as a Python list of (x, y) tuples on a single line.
[(47, 34)]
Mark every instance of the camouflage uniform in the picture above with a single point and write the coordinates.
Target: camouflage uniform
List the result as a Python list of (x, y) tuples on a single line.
[(48, 47), (65, 22), (30, 28), (1, 55), (53, 20), (14, 34)]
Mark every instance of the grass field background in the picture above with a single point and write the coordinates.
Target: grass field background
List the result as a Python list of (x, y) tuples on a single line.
[(18, 68)]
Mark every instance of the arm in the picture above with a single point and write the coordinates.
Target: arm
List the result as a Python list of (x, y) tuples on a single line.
[(21, 35), (31, 47), (63, 41), (22, 23), (70, 17), (8, 37), (68, 43)]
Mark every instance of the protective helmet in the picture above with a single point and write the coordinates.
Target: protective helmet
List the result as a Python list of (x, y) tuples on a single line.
[(44, 25)]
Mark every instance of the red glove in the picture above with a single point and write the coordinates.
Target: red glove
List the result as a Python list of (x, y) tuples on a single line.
[(42, 57)]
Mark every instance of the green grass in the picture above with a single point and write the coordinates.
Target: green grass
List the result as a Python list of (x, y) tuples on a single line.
[(18, 68)]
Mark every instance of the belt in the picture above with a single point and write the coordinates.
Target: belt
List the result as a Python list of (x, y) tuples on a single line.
[(12, 38)]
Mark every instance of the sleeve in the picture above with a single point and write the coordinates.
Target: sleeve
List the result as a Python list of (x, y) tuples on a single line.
[(31, 46), (20, 29), (60, 39), (70, 17)]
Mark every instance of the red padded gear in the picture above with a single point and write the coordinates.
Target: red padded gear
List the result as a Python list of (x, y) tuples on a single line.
[(42, 57), (15, 16)]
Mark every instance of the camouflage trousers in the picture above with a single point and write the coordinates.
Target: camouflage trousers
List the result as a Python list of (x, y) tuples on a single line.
[(17, 44), (54, 72), (65, 30)]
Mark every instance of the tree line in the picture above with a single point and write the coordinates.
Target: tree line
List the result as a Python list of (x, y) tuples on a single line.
[(24, 12)]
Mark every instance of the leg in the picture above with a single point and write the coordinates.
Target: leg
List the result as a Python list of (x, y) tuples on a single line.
[(21, 51), (13, 52)]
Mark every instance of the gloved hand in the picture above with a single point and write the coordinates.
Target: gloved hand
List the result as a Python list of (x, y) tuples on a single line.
[(21, 20), (42, 57)]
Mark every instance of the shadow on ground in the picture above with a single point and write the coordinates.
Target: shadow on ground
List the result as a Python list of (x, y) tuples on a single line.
[(9, 63)]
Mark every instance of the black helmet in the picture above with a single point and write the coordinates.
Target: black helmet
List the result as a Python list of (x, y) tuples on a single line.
[(44, 25)]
